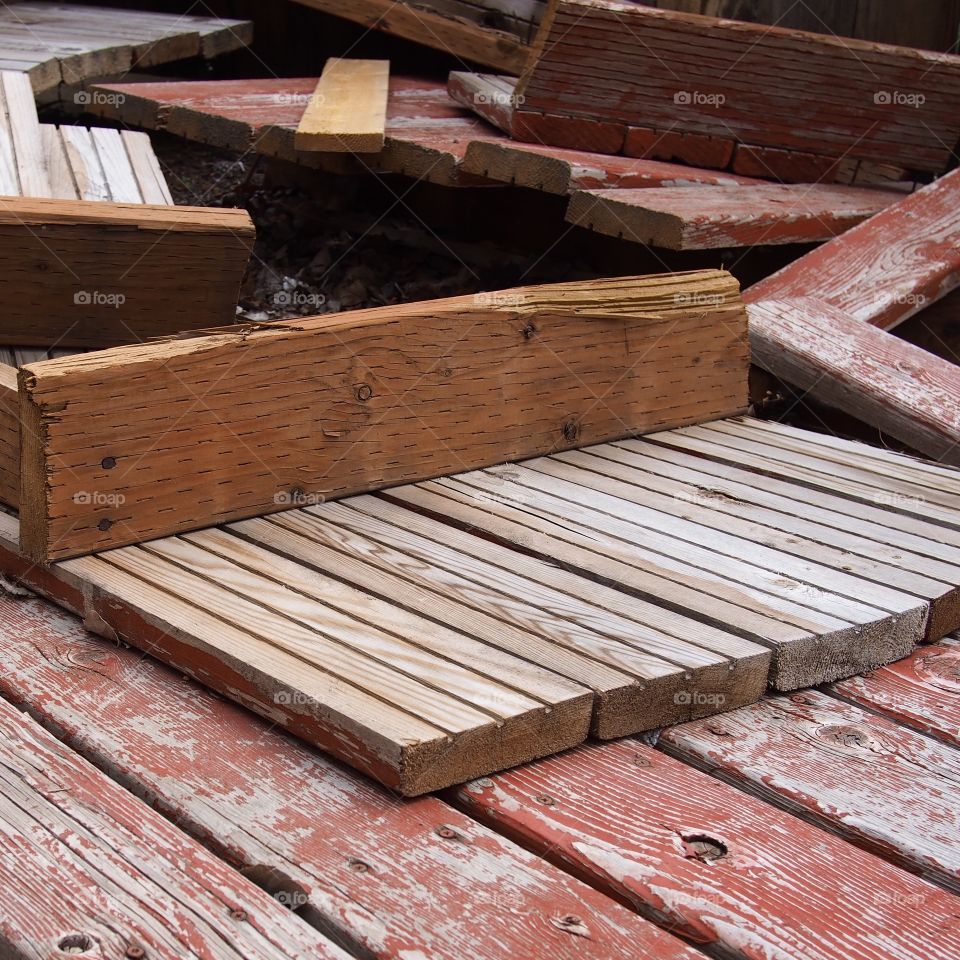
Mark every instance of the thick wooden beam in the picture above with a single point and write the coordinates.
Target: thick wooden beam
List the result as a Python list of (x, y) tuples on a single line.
[(348, 110), (200, 430), (626, 65), (678, 218), (85, 274)]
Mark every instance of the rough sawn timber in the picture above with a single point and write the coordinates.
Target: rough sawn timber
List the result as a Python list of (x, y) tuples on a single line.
[(118, 878), (104, 273), (367, 399)]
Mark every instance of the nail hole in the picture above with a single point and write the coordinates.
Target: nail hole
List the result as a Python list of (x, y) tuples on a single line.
[(75, 943)]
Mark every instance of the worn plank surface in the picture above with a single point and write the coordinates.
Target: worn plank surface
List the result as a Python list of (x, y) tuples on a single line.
[(881, 785), (163, 270), (628, 64), (677, 218), (348, 109), (426, 134), (723, 869), (117, 876), (64, 43), (921, 691), (406, 393)]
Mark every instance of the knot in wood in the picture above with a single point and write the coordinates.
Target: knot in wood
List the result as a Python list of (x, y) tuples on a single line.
[(699, 846), (571, 430), (942, 669)]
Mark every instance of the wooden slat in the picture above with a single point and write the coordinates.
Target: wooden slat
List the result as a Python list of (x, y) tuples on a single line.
[(428, 25), (117, 169), (677, 218), (135, 882), (922, 690), (900, 389), (628, 64), (404, 393), (884, 787), (24, 132), (424, 879), (85, 163), (146, 168), (164, 269), (9, 436), (348, 109), (55, 158), (555, 170), (712, 864)]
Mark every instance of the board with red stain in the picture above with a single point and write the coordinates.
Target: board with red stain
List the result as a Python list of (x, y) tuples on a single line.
[(885, 269), (921, 691), (883, 786), (88, 868), (426, 133), (384, 876), (677, 218), (555, 170), (723, 869)]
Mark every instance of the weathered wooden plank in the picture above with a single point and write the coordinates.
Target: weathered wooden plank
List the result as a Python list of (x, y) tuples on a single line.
[(146, 168), (426, 879), (404, 393), (59, 174), (9, 436), (117, 169), (921, 691), (677, 218), (769, 87), (135, 882), (882, 786), (348, 110), (710, 863), (900, 389), (20, 115), (163, 270), (555, 170), (428, 25)]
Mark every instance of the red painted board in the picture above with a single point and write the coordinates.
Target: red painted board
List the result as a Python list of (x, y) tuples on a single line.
[(733, 874), (883, 786), (87, 868), (387, 877), (921, 691), (885, 269)]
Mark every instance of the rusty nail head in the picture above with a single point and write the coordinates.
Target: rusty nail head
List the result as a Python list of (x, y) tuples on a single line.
[(571, 430), (363, 392), (570, 920), (104, 524), (446, 833), (640, 760), (238, 914), (358, 866), (108, 463), (546, 800), (135, 952), (528, 331)]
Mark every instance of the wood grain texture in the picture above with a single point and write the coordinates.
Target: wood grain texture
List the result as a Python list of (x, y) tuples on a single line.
[(555, 170), (163, 270), (433, 26), (348, 110), (886, 269), (768, 87), (405, 393), (425, 878), (882, 786), (135, 882), (921, 691), (900, 389), (723, 869), (9, 437), (426, 134), (677, 218), (60, 43)]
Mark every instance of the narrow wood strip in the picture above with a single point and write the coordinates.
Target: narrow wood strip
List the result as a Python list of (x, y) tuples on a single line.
[(117, 169), (60, 175), (886, 788), (711, 863), (348, 109), (25, 134)]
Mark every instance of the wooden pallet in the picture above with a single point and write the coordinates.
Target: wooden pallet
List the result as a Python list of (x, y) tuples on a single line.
[(389, 879), (62, 45), (826, 560)]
